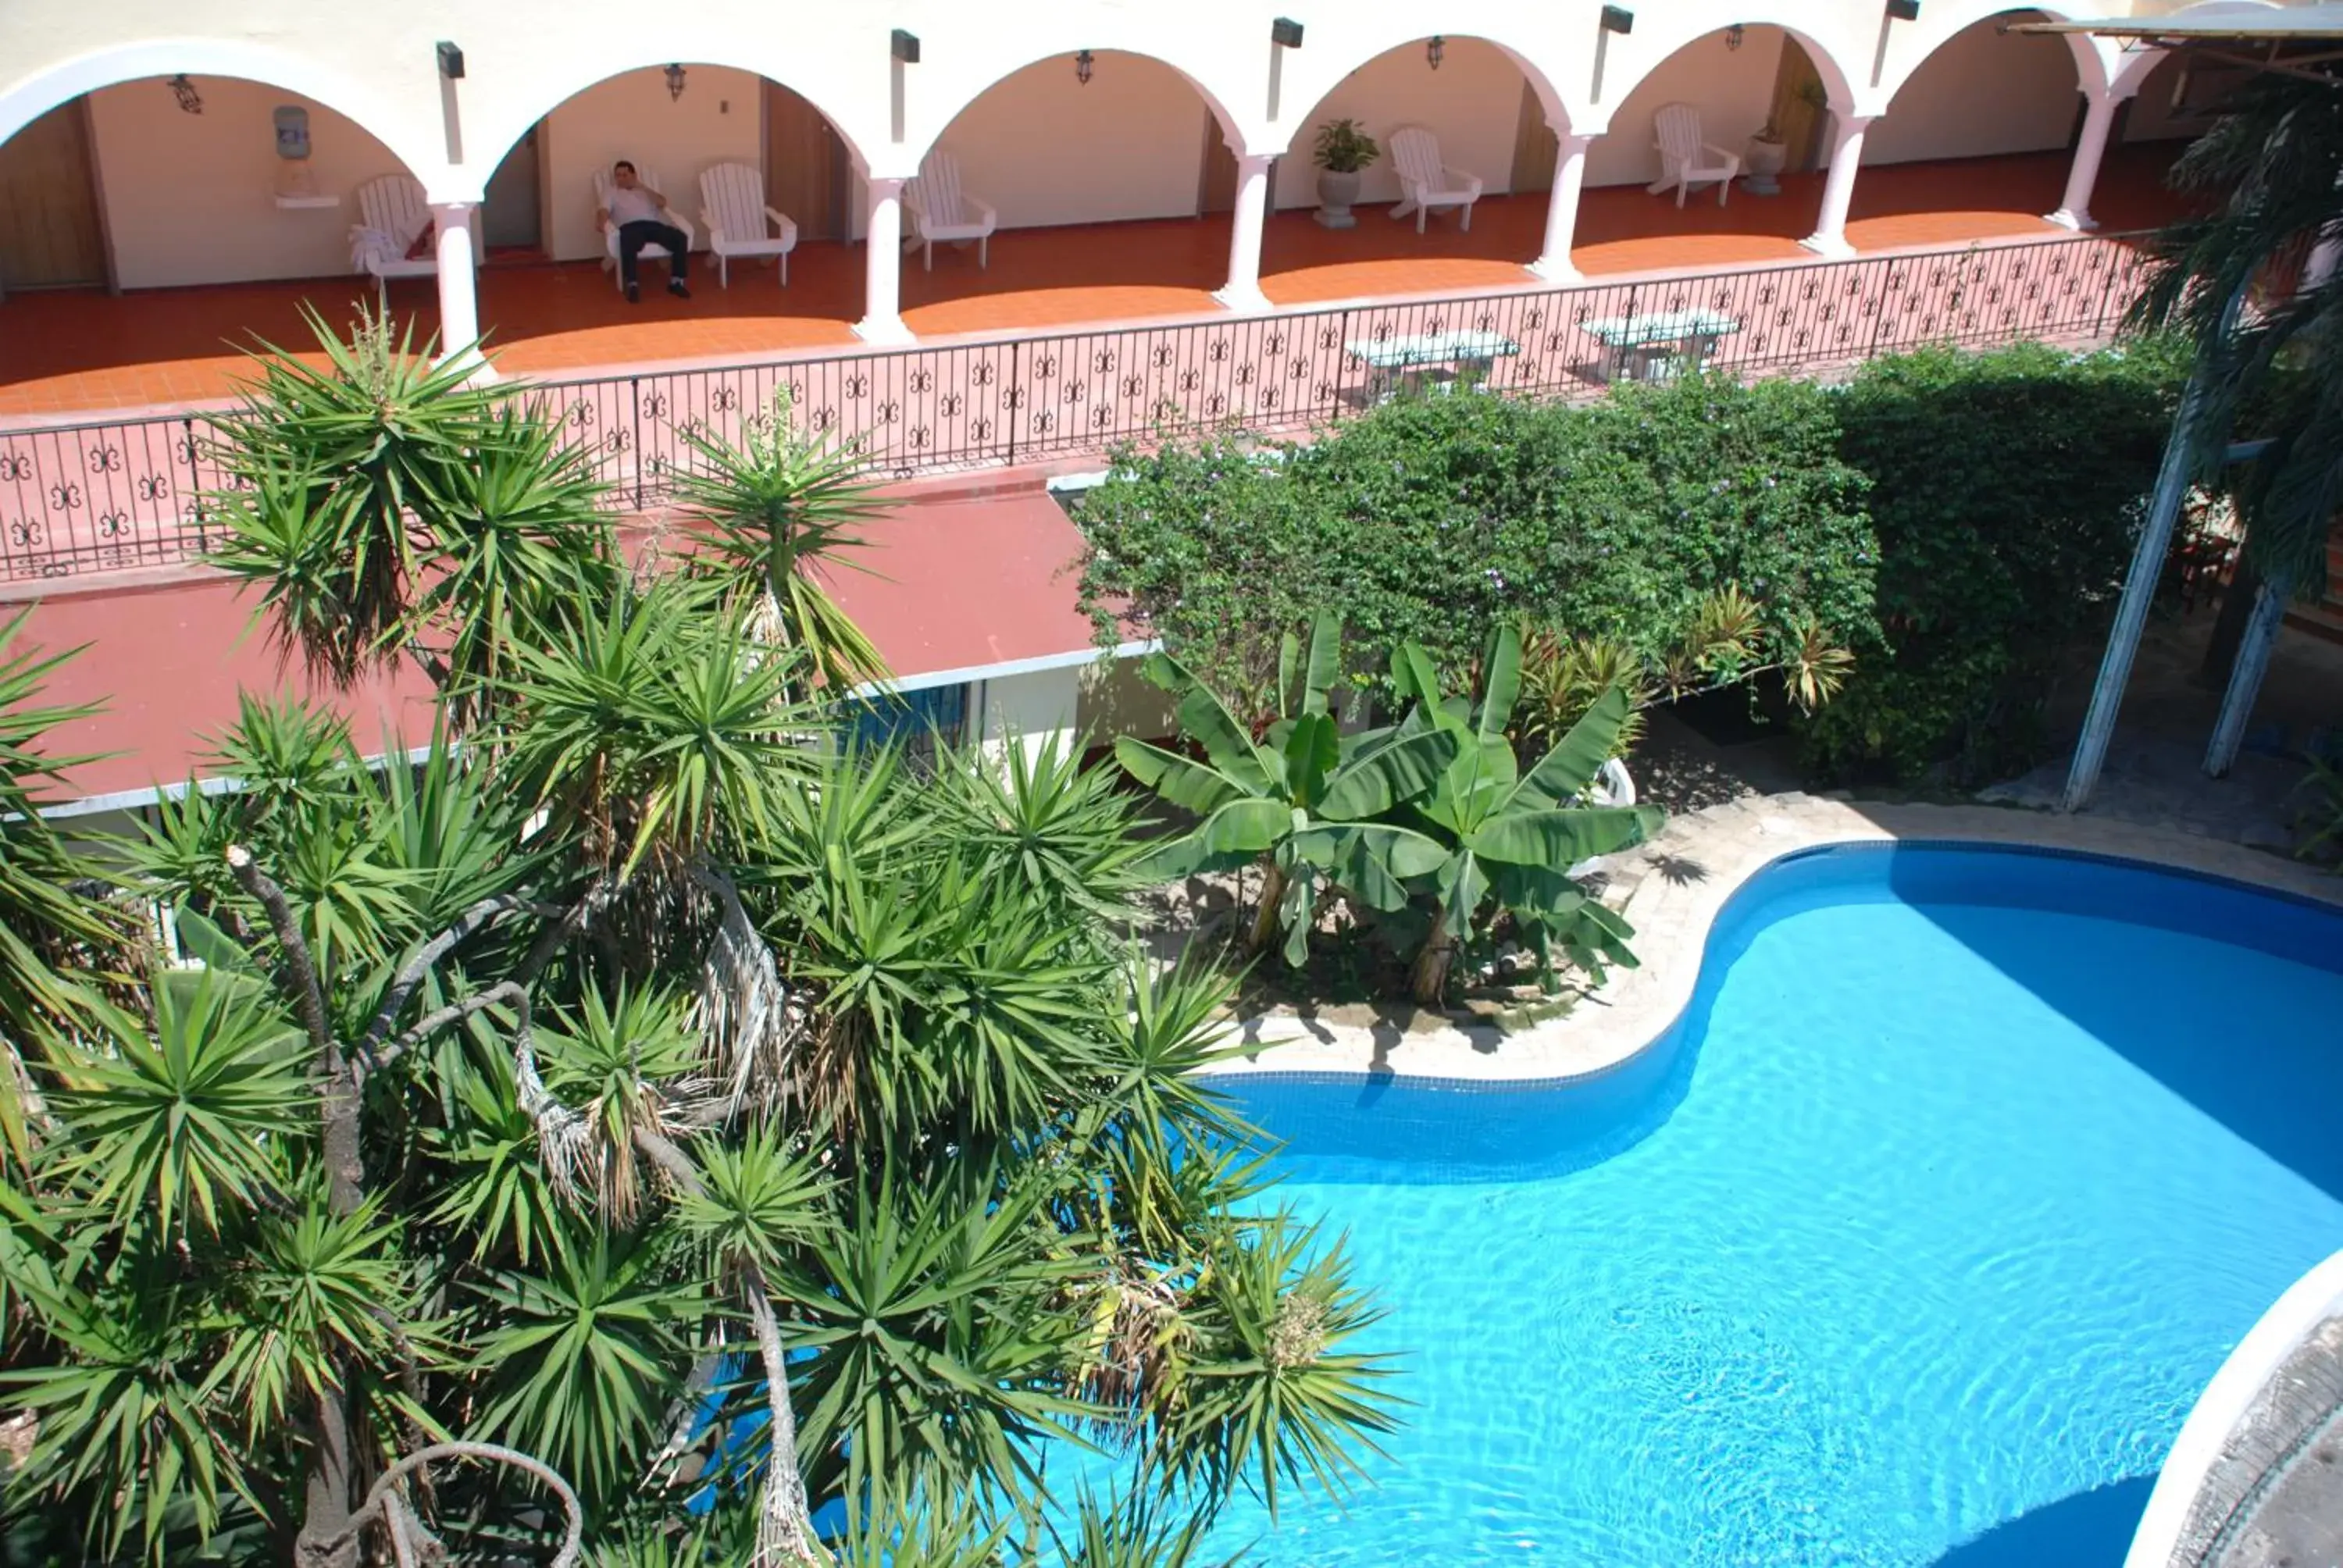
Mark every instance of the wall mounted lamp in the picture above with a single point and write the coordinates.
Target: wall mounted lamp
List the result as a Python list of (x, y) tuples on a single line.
[(1735, 35), (675, 82), (451, 61), (904, 47), (185, 91), (1286, 33), (1435, 50), (1904, 10), (1084, 61), (1618, 20)]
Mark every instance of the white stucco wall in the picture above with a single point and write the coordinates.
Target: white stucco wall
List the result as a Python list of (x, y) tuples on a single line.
[(1982, 92), (1473, 104), (191, 198), (718, 119), (1045, 149), (1116, 699), (1733, 89), (1027, 709)]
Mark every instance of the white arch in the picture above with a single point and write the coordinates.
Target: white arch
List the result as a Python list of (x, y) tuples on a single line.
[(1231, 125), (1839, 83), (28, 100), (2094, 57), (491, 135), (1558, 111)]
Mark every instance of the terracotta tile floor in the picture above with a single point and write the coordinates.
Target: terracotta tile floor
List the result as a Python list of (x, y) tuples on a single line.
[(84, 350)]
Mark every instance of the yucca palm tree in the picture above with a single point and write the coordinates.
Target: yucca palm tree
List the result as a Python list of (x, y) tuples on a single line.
[(49, 932), (778, 511)]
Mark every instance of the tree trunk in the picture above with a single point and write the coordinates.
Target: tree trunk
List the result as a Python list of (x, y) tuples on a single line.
[(1432, 960), (327, 1540), (784, 1532), (1264, 917)]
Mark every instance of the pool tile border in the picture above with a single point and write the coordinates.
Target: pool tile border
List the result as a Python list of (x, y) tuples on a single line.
[(1672, 890)]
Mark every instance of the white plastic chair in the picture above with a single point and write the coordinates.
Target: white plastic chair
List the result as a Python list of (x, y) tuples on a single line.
[(1428, 183), (394, 212), (732, 207), (944, 211), (648, 181), (1685, 159)]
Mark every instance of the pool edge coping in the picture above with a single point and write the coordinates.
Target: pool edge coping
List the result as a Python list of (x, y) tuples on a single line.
[(1673, 910)]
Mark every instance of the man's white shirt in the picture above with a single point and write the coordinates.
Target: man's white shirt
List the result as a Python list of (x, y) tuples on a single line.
[(633, 205)]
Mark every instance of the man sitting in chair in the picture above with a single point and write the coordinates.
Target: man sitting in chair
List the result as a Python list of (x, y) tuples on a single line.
[(642, 215)]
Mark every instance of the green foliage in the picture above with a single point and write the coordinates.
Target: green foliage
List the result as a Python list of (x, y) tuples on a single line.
[(2005, 489), (1341, 146), (525, 1083), (1436, 520), (384, 503), (778, 511), (1431, 822)]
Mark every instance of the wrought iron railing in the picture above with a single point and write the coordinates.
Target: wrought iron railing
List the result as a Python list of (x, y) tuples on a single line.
[(109, 495)]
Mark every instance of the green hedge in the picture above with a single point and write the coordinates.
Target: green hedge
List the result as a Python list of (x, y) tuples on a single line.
[(2006, 490), (1956, 520), (1431, 519)]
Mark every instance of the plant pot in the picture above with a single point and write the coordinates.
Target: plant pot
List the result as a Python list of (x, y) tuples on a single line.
[(1336, 192), (1763, 166)]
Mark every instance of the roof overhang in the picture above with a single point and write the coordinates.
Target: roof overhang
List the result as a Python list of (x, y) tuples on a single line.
[(2292, 40)]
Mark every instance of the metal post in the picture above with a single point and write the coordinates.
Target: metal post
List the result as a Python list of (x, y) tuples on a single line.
[(2246, 676), (194, 481), (2139, 586), (1013, 399), (634, 396), (1341, 358)]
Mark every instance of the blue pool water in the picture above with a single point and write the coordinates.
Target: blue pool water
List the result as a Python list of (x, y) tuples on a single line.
[(1911, 1244)]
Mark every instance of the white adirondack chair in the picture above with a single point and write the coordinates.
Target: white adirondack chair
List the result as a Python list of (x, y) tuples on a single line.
[(394, 212), (944, 211), (1426, 183), (1685, 159), (732, 207), (648, 181)]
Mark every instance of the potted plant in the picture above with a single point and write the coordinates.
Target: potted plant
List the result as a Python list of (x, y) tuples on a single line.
[(1341, 152), (1768, 153)]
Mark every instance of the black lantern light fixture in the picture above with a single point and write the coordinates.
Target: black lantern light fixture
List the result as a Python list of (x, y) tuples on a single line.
[(1904, 10), (185, 91), (1083, 63), (1285, 33), (451, 61), (675, 82), (1618, 20), (1435, 50), (903, 47), (1734, 34)]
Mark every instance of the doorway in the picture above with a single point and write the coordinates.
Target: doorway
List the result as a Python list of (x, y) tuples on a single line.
[(512, 210), (1216, 183), (1536, 148), (51, 233), (805, 166), (1801, 111)]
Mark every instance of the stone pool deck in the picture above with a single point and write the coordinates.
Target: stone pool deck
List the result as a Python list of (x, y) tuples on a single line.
[(1670, 890)]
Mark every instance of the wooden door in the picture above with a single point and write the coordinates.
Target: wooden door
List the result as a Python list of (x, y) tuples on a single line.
[(1800, 111), (1536, 150), (51, 235), (1216, 182), (805, 166)]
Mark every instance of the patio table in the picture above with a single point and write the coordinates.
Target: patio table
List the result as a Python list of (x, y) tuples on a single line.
[(1652, 347), (1409, 356)]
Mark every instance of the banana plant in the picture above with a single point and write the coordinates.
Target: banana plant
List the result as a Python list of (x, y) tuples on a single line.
[(1494, 831), (1303, 799)]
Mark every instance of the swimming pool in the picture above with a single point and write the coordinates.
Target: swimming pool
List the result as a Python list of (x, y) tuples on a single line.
[(1912, 1244)]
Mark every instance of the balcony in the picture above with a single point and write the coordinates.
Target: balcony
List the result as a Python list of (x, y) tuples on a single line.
[(68, 357)]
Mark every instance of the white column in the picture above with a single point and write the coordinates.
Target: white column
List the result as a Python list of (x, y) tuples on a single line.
[(1829, 237), (459, 305), (2098, 118), (882, 313), (1562, 209), (1242, 291)]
